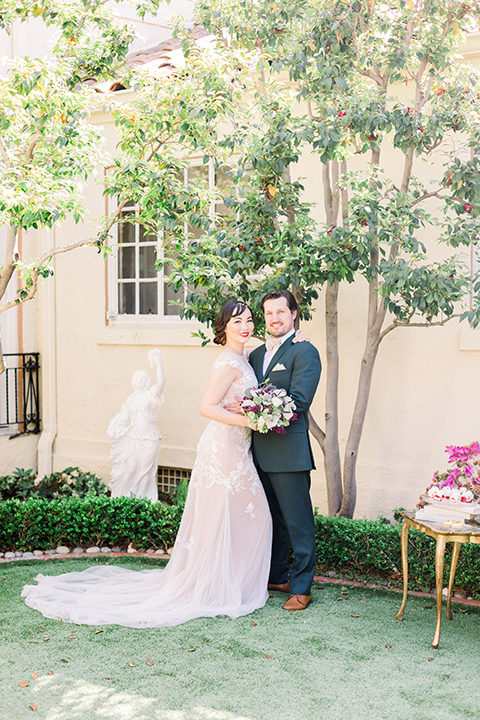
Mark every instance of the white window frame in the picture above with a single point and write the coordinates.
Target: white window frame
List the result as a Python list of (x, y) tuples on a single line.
[(114, 318)]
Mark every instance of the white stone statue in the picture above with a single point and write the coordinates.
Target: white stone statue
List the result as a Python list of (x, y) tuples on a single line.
[(135, 436)]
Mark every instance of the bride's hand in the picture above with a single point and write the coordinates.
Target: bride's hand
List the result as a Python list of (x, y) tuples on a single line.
[(234, 407), (301, 336)]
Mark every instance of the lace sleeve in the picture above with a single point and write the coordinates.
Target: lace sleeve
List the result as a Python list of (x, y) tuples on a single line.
[(225, 359)]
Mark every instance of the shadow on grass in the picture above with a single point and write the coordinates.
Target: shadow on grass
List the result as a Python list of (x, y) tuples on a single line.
[(345, 657)]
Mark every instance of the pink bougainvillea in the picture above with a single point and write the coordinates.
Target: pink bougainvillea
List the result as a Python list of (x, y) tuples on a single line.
[(463, 478)]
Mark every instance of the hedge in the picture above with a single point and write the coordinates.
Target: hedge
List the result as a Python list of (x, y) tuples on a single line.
[(39, 524), (364, 548), (359, 548)]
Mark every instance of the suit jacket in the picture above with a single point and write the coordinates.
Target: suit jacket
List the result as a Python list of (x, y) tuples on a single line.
[(292, 452)]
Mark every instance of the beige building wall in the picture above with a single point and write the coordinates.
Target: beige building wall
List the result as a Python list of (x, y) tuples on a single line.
[(424, 395), (33, 327)]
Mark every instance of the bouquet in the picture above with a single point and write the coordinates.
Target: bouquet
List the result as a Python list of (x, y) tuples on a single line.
[(461, 483), (269, 407)]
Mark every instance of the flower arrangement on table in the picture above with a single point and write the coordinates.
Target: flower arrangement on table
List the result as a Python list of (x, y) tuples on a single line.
[(269, 407), (460, 484)]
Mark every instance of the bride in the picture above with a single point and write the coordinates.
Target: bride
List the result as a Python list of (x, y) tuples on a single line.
[(221, 558)]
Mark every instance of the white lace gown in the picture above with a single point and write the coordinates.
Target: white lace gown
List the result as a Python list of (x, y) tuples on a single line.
[(221, 558)]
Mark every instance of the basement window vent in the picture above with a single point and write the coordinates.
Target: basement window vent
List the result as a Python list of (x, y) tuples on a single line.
[(168, 478)]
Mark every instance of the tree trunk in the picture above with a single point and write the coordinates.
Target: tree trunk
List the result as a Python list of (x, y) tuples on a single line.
[(331, 451), (333, 470), (376, 315), (6, 272), (11, 258), (356, 428)]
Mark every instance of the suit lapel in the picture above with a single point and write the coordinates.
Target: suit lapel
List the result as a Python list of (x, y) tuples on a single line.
[(276, 357), (258, 363)]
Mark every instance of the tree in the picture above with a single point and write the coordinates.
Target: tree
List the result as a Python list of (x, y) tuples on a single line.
[(327, 78), (49, 147)]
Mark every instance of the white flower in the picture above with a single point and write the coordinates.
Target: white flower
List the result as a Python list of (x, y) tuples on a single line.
[(261, 424)]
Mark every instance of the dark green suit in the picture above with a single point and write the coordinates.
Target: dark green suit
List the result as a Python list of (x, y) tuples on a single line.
[(284, 463)]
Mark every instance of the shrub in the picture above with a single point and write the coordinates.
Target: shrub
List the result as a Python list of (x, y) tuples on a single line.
[(372, 548), (37, 523), (359, 548), (71, 482)]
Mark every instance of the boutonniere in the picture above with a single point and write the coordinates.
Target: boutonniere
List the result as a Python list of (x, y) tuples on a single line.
[(279, 366)]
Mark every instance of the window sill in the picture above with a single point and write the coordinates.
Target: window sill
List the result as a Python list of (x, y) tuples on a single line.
[(153, 334), (469, 340)]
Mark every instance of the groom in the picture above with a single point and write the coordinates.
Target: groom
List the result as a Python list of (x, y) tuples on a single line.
[(284, 461)]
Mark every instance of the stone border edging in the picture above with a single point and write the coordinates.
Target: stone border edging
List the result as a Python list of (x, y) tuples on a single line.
[(371, 586), (64, 552)]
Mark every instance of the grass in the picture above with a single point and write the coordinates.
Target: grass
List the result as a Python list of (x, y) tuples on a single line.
[(346, 657)]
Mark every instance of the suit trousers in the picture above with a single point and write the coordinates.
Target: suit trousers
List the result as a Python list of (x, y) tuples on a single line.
[(288, 496)]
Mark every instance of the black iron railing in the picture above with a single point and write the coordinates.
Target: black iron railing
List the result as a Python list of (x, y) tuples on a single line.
[(19, 399)]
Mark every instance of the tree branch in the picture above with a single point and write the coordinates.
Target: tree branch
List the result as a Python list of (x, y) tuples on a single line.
[(316, 431), (3, 152), (32, 146), (434, 193), (407, 169), (11, 258), (39, 265), (376, 77), (407, 323), (261, 65), (313, 117)]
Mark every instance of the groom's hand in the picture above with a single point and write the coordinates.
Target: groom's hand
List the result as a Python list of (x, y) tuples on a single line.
[(235, 407)]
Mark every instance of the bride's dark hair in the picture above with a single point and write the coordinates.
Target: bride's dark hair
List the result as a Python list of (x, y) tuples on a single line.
[(230, 309)]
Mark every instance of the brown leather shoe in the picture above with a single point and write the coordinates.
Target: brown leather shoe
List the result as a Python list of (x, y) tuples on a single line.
[(283, 587), (297, 602)]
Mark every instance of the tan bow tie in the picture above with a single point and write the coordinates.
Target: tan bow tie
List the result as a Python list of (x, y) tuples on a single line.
[(272, 343)]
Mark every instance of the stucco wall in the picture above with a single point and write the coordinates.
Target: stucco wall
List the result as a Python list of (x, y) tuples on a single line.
[(424, 395), (18, 452)]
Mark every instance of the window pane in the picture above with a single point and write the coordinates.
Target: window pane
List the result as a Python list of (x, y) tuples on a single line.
[(199, 173), (223, 178), (148, 298), (146, 235), (126, 262), (126, 298), (147, 258), (126, 231), (170, 296), (195, 232), (223, 210)]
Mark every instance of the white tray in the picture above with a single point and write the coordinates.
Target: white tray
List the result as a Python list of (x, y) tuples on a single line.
[(472, 507)]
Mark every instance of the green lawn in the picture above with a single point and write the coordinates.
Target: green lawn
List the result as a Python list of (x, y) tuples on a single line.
[(344, 658)]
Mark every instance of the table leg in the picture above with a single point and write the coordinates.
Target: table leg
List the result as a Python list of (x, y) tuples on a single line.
[(453, 567), (439, 560), (404, 546)]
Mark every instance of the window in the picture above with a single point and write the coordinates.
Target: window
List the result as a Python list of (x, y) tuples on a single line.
[(168, 478), (136, 289), (138, 286)]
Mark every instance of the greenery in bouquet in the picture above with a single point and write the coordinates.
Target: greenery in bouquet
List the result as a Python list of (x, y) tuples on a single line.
[(460, 483), (269, 408)]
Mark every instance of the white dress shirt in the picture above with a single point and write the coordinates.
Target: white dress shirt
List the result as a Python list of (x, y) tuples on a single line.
[(270, 353)]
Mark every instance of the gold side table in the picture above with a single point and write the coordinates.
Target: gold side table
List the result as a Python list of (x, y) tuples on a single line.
[(468, 534)]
